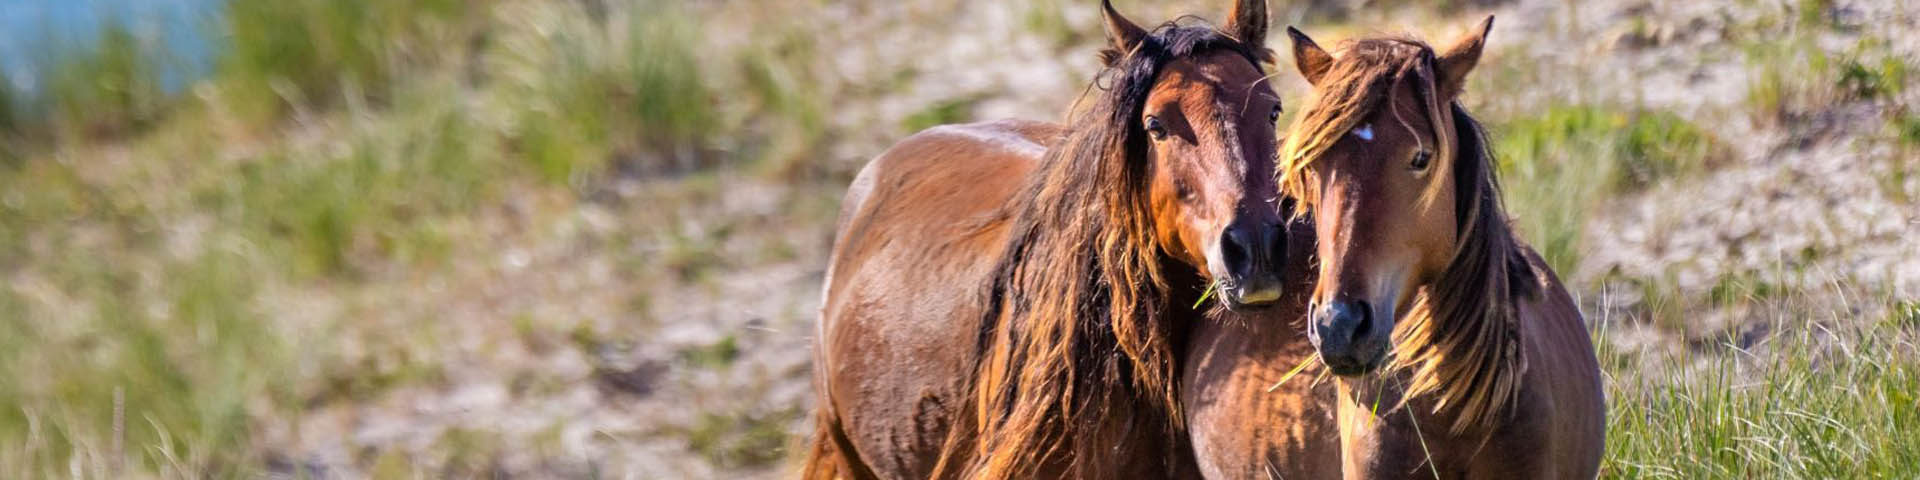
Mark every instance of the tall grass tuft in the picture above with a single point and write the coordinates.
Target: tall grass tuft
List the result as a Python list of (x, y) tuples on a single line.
[(622, 86), (152, 377), (9, 107), (1813, 402), (11, 153), (791, 105), (287, 53), (377, 198), (107, 89), (665, 87)]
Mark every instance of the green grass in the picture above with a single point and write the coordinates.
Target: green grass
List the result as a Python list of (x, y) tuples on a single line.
[(101, 88), (185, 357), (1870, 70), (1905, 130), (1811, 402), (10, 105), (1904, 314), (1048, 19), (293, 53), (1870, 79), (944, 112), (411, 125), (1792, 76), (741, 439), (664, 83), (1663, 304), (1559, 165), (584, 94), (1741, 287), (376, 197), (789, 100), (716, 355), (111, 89)]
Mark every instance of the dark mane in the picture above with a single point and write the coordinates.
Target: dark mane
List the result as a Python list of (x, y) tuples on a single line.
[(1460, 341), (1076, 357)]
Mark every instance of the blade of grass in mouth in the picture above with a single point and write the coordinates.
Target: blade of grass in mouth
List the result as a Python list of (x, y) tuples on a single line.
[(1205, 294)]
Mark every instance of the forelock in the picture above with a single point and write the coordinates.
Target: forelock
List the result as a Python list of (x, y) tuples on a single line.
[(1356, 86)]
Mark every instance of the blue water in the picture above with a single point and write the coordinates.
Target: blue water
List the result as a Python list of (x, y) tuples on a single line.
[(34, 34)]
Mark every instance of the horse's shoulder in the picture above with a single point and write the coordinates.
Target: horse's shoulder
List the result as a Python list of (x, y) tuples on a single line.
[(948, 183)]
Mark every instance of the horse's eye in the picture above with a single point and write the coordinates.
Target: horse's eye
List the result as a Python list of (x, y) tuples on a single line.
[(1154, 128), (1275, 116), (1420, 160)]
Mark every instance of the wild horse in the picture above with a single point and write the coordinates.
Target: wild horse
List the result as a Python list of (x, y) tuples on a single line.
[(1007, 299), (1457, 352)]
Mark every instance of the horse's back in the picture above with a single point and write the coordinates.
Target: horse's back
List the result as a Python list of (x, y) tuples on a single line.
[(920, 230)]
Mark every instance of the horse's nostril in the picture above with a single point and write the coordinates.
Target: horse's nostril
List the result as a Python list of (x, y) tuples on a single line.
[(1345, 337), (1233, 250), (1365, 323)]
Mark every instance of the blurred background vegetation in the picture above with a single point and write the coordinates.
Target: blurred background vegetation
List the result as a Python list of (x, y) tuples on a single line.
[(582, 238)]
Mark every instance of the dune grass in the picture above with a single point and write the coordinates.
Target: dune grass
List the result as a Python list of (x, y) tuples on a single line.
[(1828, 396), (100, 88), (151, 377), (283, 54), (624, 90), (112, 88), (137, 349), (9, 106), (377, 198)]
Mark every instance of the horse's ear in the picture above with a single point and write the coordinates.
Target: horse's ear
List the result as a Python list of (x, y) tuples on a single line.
[(1312, 60), (1460, 58), (1248, 23), (1122, 34)]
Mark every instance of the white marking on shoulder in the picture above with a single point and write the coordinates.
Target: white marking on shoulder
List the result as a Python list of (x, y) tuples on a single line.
[(1364, 131), (991, 135)]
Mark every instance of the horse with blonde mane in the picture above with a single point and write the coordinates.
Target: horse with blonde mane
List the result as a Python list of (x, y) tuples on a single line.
[(1008, 299), (1457, 353)]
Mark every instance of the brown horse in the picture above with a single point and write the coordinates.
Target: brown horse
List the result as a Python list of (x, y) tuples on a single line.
[(1007, 300), (1458, 353)]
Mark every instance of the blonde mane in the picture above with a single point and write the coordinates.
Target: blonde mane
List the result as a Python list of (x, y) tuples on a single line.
[(1460, 343)]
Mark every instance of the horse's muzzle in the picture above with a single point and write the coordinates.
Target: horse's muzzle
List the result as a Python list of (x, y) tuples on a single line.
[(1253, 251), (1351, 336), (1258, 293)]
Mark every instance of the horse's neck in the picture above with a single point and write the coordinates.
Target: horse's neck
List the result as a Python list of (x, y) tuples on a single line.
[(1481, 351)]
